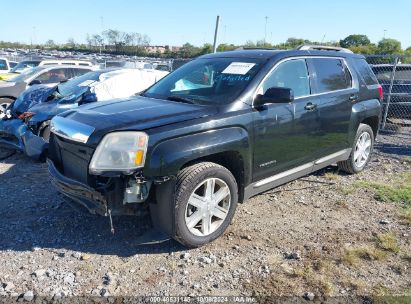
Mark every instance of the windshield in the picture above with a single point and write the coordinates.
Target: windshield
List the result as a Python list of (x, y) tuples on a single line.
[(213, 81), (26, 74), (24, 65), (82, 81)]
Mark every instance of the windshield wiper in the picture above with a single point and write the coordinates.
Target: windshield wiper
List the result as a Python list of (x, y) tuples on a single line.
[(180, 99)]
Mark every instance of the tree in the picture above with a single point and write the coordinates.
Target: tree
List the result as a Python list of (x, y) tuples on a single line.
[(365, 49), (389, 46), (206, 49), (355, 40), (226, 47), (188, 50), (50, 43), (294, 42), (71, 43)]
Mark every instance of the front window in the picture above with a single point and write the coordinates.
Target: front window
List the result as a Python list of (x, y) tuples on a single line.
[(53, 76), (213, 81), (292, 74)]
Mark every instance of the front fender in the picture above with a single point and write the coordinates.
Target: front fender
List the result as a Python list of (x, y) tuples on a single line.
[(167, 157)]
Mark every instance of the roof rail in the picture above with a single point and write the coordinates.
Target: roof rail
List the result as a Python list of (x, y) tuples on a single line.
[(241, 48), (307, 47)]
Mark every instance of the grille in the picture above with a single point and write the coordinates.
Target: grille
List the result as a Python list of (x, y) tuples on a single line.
[(71, 158)]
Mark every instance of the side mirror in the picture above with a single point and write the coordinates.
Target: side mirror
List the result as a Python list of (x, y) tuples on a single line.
[(274, 95), (34, 82), (88, 98)]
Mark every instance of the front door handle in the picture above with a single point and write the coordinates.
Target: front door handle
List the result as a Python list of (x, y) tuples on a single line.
[(353, 97), (310, 106)]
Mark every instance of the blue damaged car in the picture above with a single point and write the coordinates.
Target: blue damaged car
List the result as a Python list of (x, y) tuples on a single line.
[(25, 124)]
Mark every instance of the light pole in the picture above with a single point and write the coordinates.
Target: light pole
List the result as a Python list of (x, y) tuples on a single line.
[(216, 34), (384, 33), (265, 29)]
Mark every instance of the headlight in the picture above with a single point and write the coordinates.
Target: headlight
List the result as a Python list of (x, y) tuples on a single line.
[(120, 151)]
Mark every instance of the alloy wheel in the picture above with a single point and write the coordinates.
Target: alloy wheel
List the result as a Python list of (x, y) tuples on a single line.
[(207, 207)]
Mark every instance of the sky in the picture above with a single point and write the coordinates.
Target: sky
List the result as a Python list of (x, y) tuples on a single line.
[(175, 22)]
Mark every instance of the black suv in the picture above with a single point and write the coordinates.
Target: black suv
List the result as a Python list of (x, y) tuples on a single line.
[(215, 132)]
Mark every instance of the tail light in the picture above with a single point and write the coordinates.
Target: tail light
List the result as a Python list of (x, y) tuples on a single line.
[(26, 115), (381, 92)]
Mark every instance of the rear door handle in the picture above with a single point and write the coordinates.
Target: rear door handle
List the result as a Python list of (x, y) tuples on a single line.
[(310, 106), (353, 97)]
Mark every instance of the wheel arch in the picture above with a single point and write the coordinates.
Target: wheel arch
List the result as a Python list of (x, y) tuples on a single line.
[(373, 122), (232, 161), (228, 147)]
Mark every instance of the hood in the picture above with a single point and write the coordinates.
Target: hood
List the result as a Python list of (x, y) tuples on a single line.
[(137, 113), (31, 97)]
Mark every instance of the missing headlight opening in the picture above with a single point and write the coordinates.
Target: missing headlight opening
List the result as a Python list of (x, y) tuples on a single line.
[(137, 190)]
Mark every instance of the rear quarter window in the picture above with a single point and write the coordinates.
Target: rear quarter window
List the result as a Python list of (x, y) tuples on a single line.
[(365, 71), (331, 75)]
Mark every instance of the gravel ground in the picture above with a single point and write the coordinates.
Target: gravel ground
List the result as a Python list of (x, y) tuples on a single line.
[(296, 240)]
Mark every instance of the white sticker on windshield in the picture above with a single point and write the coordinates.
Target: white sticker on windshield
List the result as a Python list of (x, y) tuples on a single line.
[(86, 83), (238, 68)]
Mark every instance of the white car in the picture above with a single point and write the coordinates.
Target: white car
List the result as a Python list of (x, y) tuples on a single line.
[(27, 64), (4, 66), (11, 88)]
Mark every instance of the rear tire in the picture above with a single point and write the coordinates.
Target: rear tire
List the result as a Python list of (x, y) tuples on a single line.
[(206, 198), (361, 151)]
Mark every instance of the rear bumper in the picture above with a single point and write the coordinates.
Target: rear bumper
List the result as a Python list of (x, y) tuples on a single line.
[(82, 194)]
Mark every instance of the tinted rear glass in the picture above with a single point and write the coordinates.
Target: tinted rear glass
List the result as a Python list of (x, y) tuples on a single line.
[(365, 71), (3, 65), (332, 75)]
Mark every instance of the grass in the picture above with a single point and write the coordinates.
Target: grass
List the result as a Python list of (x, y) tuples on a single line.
[(313, 279), (406, 159), (354, 255), (388, 242), (405, 216), (332, 176), (399, 192)]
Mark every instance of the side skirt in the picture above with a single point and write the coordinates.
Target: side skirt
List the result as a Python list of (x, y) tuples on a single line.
[(292, 174)]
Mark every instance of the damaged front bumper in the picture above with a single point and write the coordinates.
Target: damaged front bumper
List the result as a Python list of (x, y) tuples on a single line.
[(82, 194), (95, 201), (15, 134)]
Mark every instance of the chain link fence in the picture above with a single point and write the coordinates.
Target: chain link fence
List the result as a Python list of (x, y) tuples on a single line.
[(394, 75)]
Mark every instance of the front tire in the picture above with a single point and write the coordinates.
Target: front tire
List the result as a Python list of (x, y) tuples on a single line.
[(361, 151), (206, 198)]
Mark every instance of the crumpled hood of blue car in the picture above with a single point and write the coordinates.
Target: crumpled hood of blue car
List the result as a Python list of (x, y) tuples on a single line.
[(31, 97)]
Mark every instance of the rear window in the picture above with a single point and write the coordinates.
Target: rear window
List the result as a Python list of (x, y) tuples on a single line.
[(331, 75), (365, 71), (3, 65)]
